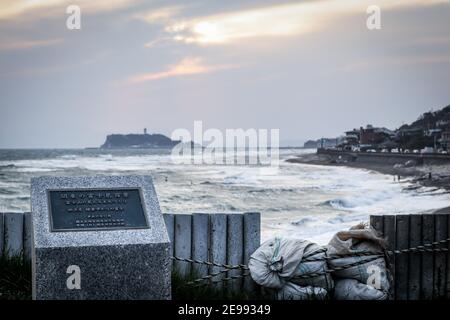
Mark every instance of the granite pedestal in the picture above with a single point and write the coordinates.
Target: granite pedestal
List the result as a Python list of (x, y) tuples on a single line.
[(91, 255)]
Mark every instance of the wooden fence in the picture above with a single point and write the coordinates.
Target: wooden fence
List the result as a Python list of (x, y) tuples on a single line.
[(222, 238), (417, 275)]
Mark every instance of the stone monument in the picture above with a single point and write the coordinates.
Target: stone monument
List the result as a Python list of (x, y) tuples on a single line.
[(99, 237)]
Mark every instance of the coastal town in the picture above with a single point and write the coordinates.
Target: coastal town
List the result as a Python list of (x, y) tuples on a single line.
[(430, 133)]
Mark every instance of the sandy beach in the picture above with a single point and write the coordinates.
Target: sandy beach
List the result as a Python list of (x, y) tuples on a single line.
[(440, 174)]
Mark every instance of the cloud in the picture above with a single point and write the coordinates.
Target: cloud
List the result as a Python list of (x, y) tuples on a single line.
[(27, 44), (160, 15), (187, 66), (277, 20), (36, 9), (159, 41)]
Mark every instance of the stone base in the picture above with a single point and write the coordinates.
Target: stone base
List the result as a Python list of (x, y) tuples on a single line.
[(135, 271)]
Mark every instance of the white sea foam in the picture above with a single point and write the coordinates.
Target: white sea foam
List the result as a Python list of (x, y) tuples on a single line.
[(302, 201)]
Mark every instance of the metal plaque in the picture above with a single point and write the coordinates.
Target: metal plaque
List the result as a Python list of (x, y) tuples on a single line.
[(96, 209)]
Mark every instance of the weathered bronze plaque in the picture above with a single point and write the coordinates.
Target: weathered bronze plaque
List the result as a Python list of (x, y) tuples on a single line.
[(96, 209)]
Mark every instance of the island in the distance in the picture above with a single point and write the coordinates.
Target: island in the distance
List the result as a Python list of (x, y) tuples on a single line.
[(138, 141)]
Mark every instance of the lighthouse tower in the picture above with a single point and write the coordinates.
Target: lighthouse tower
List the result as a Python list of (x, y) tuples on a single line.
[(145, 130)]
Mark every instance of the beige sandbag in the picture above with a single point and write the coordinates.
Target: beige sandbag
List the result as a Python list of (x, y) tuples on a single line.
[(359, 239)]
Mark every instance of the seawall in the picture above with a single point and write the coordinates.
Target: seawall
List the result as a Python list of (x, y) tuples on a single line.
[(387, 158)]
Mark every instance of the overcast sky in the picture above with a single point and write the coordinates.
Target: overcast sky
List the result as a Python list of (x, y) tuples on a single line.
[(308, 68)]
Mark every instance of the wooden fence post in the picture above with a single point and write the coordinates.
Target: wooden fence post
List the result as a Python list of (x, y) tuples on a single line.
[(169, 221), (183, 238), (235, 248), (13, 234), (415, 265), (2, 236), (389, 235), (376, 222), (401, 260), (218, 241), (427, 258), (252, 241), (27, 236), (440, 258), (200, 242)]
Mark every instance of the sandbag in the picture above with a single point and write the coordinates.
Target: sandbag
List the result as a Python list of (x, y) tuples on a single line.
[(291, 291), (359, 239), (278, 263), (318, 266), (351, 289)]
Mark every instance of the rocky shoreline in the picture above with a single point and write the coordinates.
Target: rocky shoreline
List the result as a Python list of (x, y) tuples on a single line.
[(437, 176)]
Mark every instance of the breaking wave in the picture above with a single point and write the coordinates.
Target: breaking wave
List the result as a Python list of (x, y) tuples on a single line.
[(309, 202)]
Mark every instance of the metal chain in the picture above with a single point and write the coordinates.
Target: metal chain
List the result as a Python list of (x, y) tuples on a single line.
[(207, 277), (213, 264), (423, 248), (344, 255), (334, 269), (198, 282), (373, 255)]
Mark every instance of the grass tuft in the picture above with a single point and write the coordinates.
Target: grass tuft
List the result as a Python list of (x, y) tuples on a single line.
[(15, 278)]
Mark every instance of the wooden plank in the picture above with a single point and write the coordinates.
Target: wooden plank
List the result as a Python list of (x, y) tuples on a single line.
[(235, 248), (401, 260), (218, 240), (415, 261), (440, 263), (1, 234), (448, 257), (252, 241), (200, 242), (252, 234), (427, 258), (13, 234), (183, 238), (376, 222), (27, 236), (169, 221), (389, 235)]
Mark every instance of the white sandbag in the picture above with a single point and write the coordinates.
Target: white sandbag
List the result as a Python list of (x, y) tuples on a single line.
[(295, 292), (318, 266), (363, 272), (275, 261), (350, 289), (279, 261)]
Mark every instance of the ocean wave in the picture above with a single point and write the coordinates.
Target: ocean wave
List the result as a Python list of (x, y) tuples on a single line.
[(107, 157), (30, 170), (338, 204), (303, 221), (339, 219), (272, 190), (7, 191), (7, 166), (69, 157)]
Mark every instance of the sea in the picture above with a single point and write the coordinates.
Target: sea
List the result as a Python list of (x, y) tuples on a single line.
[(296, 200)]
